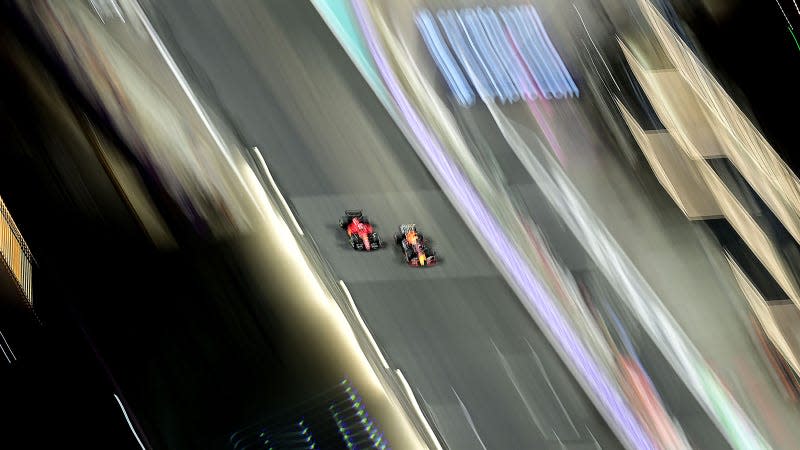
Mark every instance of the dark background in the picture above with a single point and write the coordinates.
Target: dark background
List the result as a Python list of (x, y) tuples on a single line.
[(185, 337), (57, 392)]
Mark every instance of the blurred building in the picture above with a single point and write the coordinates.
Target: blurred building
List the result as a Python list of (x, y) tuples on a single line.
[(15, 282), (718, 168), (16, 301)]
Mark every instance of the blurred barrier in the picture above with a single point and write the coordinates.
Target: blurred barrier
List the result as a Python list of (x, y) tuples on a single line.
[(15, 252), (497, 221), (634, 290), (392, 379), (627, 281)]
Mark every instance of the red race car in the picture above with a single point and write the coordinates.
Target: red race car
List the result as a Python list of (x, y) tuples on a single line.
[(360, 232)]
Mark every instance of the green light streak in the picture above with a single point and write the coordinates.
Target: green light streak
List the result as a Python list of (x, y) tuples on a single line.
[(795, 38)]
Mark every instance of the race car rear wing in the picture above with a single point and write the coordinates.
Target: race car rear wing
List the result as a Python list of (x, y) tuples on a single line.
[(353, 212)]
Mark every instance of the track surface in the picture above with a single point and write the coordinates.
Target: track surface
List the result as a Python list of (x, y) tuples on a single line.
[(457, 331)]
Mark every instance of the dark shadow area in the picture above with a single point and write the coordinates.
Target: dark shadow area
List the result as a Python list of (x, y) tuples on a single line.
[(192, 340), (746, 260)]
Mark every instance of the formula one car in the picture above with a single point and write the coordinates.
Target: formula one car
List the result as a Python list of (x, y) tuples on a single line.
[(360, 233), (416, 251)]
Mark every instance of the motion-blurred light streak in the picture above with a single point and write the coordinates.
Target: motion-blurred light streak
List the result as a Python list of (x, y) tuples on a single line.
[(589, 35), (364, 325), (480, 41), (5, 354), (568, 86), (444, 60), (481, 45), (717, 396), (272, 183), (549, 134), (187, 90), (128, 77), (468, 416), (8, 346), (543, 371), (525, 48), (634, 290), (642, 385), (418, 409), (472, 207), (539, 115), (515, 43), (128, 421), (751, 155), (648, 404), (743, 144), (540, 50), (531, 38), (789, 22), (513, 378), (452, 30), (107, 9), (762, 314), (472, 47), (499, 40), (639, 382)]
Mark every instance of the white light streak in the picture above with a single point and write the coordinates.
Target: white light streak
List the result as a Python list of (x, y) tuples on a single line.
[(595, 47), (9, 347), (127, 419), (417, 409), (469, 418), (363, 325), (275, 188)]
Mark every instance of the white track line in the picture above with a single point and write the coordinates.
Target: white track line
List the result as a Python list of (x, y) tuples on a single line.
[(364, 325), (275, 187), (417, 409)]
